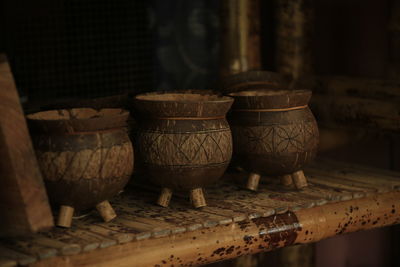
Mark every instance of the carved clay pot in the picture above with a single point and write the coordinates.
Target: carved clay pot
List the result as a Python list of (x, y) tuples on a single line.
[(85, 156), (184, 141), (274, 134)]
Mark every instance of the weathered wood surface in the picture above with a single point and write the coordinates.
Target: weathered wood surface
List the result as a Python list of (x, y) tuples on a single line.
[(240, 36), (340, 198), (393, 32), (294, 33), (24, 206), (361, 102)]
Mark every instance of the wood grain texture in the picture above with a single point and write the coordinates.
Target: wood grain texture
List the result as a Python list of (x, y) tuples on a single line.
[(23, 200), (357, 102), (240, 36), (294, 33), (236, 222)]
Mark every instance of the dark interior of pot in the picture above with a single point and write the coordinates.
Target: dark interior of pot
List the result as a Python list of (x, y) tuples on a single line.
[(267, 92), (76, 114), (182, 97)]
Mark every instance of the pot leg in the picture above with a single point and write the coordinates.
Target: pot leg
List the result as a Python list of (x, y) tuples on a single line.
[(165, 197), (65, 216), (252, 181), (106, 211), (299, 179), (197, 198), (287, 180)]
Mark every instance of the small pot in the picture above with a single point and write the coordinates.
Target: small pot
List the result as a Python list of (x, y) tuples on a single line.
[(184, 141), (274, 133), (85, 155)]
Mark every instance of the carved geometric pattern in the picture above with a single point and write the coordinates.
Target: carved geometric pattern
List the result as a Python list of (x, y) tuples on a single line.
[(185, 148), (291, 138), (115, 161)]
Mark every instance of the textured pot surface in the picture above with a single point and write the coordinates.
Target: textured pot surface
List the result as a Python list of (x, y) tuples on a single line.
[(184, 139), (85, 155), (274, 131)]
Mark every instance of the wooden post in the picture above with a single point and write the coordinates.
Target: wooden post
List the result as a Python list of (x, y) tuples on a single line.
[(393, 64), (286, 180), (294, 32), (24, 207), (252, 181), (299, 179), (197, 198), (165, 197), (240, 36), (106, 211), (65, 216)]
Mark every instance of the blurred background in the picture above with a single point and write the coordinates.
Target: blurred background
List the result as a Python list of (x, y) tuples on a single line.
[(63, 50)]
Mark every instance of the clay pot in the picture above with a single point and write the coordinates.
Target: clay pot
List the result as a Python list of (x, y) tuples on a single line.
[(274, 134), (184, 141), (85, 156)]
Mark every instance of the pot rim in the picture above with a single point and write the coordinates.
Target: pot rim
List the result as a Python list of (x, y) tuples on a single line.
[(268, 92), (37, 116), (260, 99), (151, 97)]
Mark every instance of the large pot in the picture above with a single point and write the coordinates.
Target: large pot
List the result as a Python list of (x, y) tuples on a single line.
[(184, 141), (85, 156), (274, 134)]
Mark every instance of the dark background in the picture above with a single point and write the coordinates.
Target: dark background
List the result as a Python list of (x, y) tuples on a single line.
[(64, 49)]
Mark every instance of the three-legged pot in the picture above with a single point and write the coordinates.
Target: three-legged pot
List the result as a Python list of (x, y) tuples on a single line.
[(184, 141), (274, 134)]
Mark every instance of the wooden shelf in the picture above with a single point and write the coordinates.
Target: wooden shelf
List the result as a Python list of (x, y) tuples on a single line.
[(341, 198)]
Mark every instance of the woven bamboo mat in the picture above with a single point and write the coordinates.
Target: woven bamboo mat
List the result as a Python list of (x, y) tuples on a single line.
[(139, 218)]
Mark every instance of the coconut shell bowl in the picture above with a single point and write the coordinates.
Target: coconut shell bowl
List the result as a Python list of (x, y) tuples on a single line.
[(85, 156), (184, 141), (274, 134)]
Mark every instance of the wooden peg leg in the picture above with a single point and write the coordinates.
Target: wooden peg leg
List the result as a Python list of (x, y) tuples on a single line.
[(65, 216), (197, 198), (252, 181), (287, 180), (165, 197), (299, 179), (106, 211)]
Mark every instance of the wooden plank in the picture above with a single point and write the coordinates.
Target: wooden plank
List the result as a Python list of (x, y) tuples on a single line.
[(293, 42), (109, 230), (356, 112), (346, 182), (90, 240), (5, 262), (240, 36), (359, 87), (23, 201), (372, 178), (344, 167), (248, 237), (330, 196), (27, 246), (20, 258), (63, 243), (260, 200), (180, 214)]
